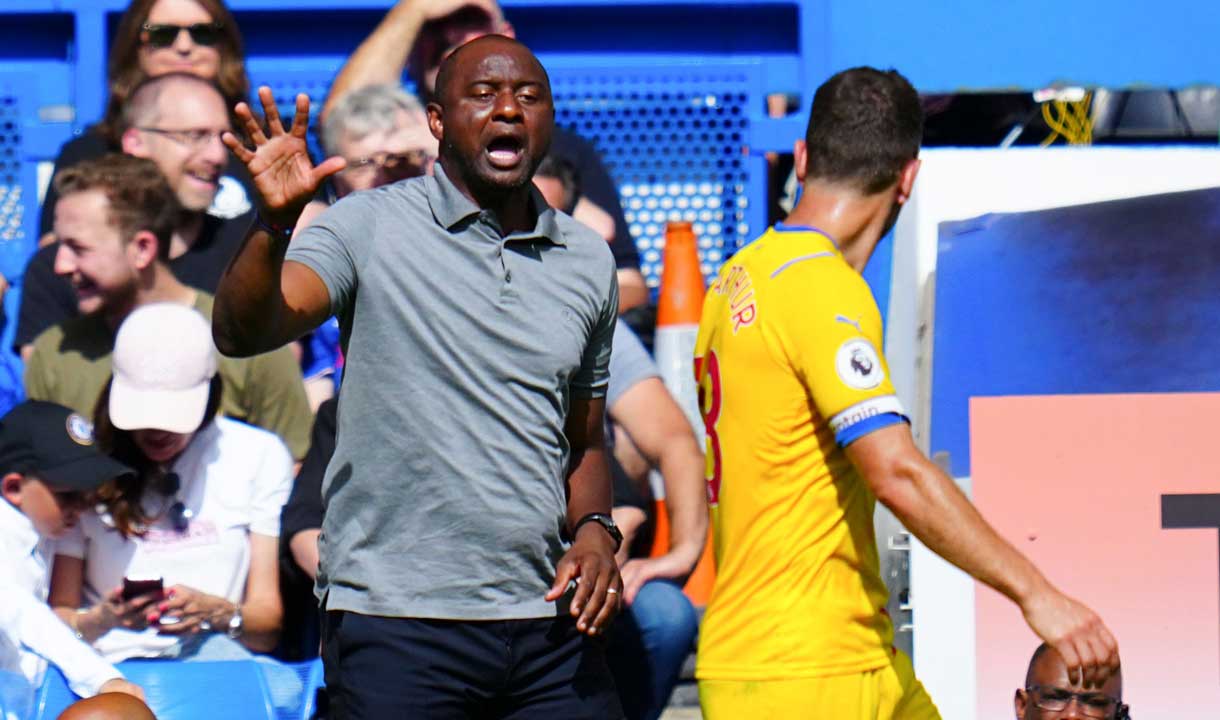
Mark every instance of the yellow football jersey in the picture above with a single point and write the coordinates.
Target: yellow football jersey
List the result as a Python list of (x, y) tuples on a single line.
[(789, 373)]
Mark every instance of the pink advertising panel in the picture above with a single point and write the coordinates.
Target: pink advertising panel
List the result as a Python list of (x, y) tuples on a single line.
[(1117, 499)]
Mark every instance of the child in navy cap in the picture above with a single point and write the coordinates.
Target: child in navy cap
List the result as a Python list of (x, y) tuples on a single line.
[(48, 467)]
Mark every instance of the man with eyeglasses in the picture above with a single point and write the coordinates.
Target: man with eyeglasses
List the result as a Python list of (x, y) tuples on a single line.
[(1050, 694), (175, 120)]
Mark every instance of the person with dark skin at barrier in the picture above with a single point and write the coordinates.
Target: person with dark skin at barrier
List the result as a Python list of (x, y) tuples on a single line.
[(467, 553), (108, 706), (1050, 693)]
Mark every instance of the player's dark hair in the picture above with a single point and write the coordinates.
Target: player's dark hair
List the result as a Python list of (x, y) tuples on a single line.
[(864, 127)]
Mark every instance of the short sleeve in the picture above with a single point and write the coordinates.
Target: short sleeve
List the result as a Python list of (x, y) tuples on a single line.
[(835, 342), (46, 298), (594, 374), (330, 245), (71, 543), (272, 483), (630, 363), (38, 382), (276, 399)]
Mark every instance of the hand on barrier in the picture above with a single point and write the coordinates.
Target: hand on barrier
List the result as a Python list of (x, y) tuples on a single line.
[(599, 588), (119, 685), (1088, 648), (279, 164)]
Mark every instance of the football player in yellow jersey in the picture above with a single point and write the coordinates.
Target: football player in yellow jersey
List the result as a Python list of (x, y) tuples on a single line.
[(805, 433)]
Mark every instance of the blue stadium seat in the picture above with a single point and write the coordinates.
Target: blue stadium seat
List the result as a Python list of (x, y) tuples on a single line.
[(16, 696), (235, 690)]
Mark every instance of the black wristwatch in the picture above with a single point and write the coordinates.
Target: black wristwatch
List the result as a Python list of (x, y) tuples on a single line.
[(606, 522)]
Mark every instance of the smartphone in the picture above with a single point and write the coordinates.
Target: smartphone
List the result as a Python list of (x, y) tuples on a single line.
[(135, 587)]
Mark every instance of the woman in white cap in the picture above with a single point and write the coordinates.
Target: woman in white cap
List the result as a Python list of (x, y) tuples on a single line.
[(180, 560)]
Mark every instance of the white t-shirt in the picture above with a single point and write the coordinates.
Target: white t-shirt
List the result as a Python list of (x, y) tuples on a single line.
[(234, 478)]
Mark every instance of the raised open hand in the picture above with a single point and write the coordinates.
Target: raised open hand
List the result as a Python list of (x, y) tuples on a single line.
[(285, 177)]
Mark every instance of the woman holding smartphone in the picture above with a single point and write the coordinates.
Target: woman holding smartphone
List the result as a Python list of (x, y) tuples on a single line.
[(201, 514)]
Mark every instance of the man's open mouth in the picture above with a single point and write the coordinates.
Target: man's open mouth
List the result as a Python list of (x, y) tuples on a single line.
[(505, 152)]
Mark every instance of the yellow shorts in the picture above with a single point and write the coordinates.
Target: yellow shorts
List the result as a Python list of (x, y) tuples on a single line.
[(888, 693)]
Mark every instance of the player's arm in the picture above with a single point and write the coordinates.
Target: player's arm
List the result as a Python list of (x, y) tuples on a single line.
[(663, 436), (590, 561), (382, 57), (931, 506), (262, 301)]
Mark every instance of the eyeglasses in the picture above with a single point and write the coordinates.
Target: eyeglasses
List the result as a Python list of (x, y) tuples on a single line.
[(1097, 705), (164, 35), (412, 163), (193, 138)]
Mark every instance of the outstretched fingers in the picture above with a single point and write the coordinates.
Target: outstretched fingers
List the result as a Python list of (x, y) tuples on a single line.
[(254, 131), (230, 140), (300, 121), (274, 124), (328, 167)]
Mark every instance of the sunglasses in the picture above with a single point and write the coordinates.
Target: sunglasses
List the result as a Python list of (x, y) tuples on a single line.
[(162, 36)]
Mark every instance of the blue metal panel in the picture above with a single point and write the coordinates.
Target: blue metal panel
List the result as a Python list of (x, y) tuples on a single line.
[(1115, 297), (675, 139), (18, 181), (90, 63)]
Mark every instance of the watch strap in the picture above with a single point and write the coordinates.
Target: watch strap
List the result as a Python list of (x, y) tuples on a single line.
[(607, 524)]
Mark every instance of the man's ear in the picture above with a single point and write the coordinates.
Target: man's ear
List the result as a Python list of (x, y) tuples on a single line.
[(800, 156), (142, 249), (132, 143), (10, 487), (436, 120), (1019, 702), (906, 180)]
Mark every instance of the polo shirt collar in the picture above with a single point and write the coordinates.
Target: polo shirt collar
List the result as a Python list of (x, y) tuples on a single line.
[(450, 207)]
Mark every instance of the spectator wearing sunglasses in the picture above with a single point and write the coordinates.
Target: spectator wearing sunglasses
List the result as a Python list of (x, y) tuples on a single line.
[(154, 37), (201, 512), (1050, 694)]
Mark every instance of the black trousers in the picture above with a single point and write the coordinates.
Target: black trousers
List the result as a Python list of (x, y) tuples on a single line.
[(389, 668)]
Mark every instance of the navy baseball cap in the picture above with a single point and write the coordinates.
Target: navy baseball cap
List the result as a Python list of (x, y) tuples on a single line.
[(56, 445)]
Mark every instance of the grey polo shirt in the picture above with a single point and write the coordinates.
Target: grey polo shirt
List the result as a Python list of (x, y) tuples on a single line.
[(445, 496)]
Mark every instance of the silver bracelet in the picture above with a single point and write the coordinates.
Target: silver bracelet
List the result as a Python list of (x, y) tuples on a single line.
[(75, 625)]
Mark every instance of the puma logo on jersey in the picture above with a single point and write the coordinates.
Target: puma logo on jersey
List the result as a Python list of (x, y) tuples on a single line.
[(848, 321)]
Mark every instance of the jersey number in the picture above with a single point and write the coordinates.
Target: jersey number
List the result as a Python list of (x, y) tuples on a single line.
[(709, 406)]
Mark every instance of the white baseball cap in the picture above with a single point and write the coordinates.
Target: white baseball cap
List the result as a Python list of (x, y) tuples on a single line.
[(164, 361)]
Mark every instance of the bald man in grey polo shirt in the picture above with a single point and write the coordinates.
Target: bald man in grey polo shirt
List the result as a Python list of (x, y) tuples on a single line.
[(477, 324)]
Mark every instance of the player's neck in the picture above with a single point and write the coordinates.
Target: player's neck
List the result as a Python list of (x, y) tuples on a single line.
[(855, 222)]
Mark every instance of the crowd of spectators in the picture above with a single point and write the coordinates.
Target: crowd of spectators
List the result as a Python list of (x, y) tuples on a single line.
[(165, 539)]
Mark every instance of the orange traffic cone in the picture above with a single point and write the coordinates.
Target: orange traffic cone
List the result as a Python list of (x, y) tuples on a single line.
[(678, 310)]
